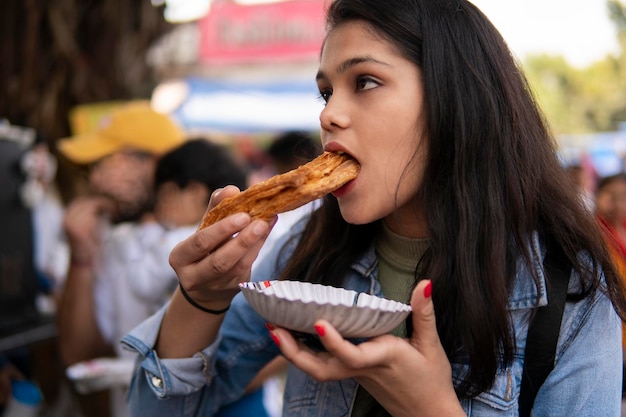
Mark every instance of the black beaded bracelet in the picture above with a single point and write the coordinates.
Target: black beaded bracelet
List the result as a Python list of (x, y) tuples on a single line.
[(198, 306)]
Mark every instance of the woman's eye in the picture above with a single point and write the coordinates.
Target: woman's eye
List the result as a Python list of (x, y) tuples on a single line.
[(325, 95), (366, 83)]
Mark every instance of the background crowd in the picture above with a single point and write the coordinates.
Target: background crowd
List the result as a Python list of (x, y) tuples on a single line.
[(100, 261)]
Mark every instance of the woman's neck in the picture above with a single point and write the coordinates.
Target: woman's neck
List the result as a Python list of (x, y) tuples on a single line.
[(408, 221)]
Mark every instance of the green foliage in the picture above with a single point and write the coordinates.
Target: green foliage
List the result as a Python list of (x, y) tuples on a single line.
[(582, 100), (617, 13)]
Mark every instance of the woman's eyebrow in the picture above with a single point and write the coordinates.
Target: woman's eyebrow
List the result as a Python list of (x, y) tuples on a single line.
[(349, 63)]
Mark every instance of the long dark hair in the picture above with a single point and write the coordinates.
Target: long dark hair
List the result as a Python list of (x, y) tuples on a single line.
[(492, 179)]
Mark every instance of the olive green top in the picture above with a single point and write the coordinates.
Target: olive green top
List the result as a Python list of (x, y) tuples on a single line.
[(398, 257)]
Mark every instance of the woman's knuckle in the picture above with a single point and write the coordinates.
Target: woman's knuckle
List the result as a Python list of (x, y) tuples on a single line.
[(240, 269), (220, 264), (354, 363), (199, 242), (320, 375), (174, 259), (244, 241)]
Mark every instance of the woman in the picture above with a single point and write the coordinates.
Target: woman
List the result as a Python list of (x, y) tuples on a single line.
[(458, 193)]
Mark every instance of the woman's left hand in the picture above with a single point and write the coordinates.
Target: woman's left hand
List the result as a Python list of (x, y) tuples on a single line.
[(406, 376)]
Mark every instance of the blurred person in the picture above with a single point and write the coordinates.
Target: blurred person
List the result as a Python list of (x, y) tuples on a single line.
[(136, 278), (610, 208), (40, 193), (8, 373), (581, 178), (121, 157), (291, 149), (184, 180), (19, 285), (51, 260), (255, 157), (31, 261), (286, 152)]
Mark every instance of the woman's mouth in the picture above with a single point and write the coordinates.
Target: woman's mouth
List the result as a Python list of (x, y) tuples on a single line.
[(344, 189)]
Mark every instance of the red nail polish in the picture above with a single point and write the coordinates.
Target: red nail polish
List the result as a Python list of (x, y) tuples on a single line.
[(269, 326), (275, 339), (428, 289), (321, 331)]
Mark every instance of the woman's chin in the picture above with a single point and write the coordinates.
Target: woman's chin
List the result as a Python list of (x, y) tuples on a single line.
[(355, 217)]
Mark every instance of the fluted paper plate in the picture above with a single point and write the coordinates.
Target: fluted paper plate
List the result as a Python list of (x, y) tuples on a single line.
[(297, 305), (100, 373)]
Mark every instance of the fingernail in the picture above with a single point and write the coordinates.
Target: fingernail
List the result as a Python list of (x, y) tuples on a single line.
[(259, 229), (321, 331), (275, 339), (428, 289), (269, 326), (240, 219)]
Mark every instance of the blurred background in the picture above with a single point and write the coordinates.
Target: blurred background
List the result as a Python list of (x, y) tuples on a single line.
[(235, 69), (243, 68), (573, 54)]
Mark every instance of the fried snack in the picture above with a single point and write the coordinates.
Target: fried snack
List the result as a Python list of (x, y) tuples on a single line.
[(288, 191)]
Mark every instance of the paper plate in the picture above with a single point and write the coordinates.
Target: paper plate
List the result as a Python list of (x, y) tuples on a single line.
[(100, 373), (298, 305)]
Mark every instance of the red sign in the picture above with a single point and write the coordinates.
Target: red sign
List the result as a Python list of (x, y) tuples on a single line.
[(288, 30)]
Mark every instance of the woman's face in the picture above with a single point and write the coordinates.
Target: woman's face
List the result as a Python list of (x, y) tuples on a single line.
[(374, 112)]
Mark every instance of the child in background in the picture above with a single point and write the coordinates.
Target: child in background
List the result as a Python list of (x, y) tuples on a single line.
[(140, 277), (184, 181)]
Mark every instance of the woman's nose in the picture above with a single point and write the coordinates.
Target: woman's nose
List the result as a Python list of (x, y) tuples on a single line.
[(335, 114)]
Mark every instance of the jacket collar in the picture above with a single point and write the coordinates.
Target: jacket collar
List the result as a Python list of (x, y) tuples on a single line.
[(525, 293)]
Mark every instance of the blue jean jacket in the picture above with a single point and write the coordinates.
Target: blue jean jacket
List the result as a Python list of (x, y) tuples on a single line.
[(586, 380)]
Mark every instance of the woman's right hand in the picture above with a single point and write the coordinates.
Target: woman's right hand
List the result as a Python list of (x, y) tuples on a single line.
[(213, 261)]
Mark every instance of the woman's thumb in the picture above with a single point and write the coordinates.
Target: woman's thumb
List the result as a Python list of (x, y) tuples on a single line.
[(424, 325)]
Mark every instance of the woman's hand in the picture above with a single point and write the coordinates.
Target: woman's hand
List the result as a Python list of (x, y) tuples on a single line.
[(212, 262), (406, 376)]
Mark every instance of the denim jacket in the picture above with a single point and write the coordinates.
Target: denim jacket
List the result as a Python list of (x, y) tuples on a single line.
[(586, 380)]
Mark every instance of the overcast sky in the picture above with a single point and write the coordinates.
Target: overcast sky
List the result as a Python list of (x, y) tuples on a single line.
[(578, 29)]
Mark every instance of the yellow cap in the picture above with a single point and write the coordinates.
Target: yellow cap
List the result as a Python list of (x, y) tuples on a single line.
[(134, 126)]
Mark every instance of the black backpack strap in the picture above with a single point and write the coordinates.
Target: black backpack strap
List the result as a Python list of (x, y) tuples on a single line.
[(543, 332)]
